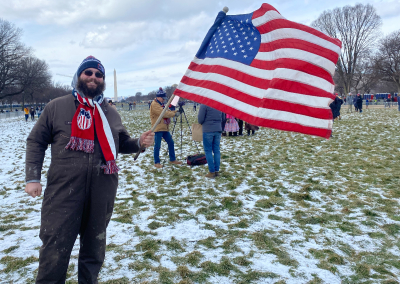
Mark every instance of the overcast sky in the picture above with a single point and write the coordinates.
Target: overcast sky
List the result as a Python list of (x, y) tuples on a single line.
[(150, 43)]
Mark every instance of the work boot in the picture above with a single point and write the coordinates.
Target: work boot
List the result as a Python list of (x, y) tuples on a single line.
[(216, 173), (158, 166), (175, 162), (210, 175)]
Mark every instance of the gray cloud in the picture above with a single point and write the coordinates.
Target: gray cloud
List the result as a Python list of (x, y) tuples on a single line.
[(139, 36), (123, 34)]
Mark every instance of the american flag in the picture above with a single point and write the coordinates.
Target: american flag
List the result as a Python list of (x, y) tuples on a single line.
[(266, 70)]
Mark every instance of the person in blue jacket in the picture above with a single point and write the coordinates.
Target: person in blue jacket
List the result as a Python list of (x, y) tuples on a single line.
[(398, 102), (211, 121)]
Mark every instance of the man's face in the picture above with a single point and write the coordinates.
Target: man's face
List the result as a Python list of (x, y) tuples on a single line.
[(91, 86), (160, 99)]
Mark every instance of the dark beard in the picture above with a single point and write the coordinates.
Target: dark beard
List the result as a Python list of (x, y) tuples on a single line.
[(90, 93)]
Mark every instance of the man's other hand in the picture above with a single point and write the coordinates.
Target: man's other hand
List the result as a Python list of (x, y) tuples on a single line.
[(33, 189), (147, 138)]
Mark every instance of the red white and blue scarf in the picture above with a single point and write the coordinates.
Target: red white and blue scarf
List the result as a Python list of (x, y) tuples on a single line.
[(83, 127)]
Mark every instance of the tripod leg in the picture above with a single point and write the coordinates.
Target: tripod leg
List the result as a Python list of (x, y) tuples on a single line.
[(172, 134), (181, 135), (195, 142)]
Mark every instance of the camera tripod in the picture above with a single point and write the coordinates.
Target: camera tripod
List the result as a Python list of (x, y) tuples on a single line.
[(182, 114)]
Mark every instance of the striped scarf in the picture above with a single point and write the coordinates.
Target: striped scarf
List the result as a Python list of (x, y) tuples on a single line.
[(83, 127)]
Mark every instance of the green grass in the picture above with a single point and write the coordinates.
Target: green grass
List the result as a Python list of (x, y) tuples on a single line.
[(306, 206)]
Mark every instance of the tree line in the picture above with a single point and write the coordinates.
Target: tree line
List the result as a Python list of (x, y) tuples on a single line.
[(369, 62), (24, 78), (169, 90)]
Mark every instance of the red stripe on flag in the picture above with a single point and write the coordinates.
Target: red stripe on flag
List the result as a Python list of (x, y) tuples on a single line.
[(263, 9), (294, 64), (299, 88), (263, 83), (283, 24), (266, 103), (302, 45), (281, 125)]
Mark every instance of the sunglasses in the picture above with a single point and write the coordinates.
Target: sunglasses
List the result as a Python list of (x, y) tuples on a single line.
[(90, 73)]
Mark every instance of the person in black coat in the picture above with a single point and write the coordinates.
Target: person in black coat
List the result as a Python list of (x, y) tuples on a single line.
[(223, 124), (355, 102), (359, 101), (338, 106)]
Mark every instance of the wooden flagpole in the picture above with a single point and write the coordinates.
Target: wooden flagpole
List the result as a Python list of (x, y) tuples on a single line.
[(155, 124)]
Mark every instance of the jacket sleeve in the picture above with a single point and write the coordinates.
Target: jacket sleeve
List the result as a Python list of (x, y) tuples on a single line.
[(127, 145), (201, 117), (223, 117), (36, 145)]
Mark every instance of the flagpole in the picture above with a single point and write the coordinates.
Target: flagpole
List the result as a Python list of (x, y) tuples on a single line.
[(155, 124), (217, 22)]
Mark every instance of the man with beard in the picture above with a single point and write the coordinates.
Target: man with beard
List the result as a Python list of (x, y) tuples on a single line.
[(85, 134)]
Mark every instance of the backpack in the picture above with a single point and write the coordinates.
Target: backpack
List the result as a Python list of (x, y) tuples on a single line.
[(195, 160)]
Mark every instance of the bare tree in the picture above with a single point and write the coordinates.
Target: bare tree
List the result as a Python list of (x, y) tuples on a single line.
[(54, 90), (366, 76), (152, 95), (34, 77), (138, 96), (169, 90), (12, 52), (358, 28), (387, 59)]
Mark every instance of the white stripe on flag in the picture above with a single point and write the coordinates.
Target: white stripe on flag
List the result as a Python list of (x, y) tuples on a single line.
[(298, 54), (107, 130), (311, 101), (282, 73), (233, 65), (267, 17), (221, 79), (258, 112), (287, 33)]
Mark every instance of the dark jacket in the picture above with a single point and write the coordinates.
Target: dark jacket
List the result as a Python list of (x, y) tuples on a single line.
[(249, 126), (210, 119), (359, 101), (79, 196), (335, 107), (54, 128)]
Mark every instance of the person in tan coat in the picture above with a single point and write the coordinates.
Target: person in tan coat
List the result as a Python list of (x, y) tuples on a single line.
[(162, 129)]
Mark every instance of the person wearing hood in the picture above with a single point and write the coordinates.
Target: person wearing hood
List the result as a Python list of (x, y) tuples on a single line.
[(32, 112), (26, 112), (85, 135), (355, 102), (335, 107), (359, 102)]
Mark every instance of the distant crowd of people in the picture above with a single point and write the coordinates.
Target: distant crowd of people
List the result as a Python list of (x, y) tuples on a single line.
[(31, 112), (357, 99)]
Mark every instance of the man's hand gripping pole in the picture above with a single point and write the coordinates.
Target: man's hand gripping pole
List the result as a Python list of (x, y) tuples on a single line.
[(155, 124)]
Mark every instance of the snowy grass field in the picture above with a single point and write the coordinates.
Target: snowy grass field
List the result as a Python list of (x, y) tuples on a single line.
[(287, 208)]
